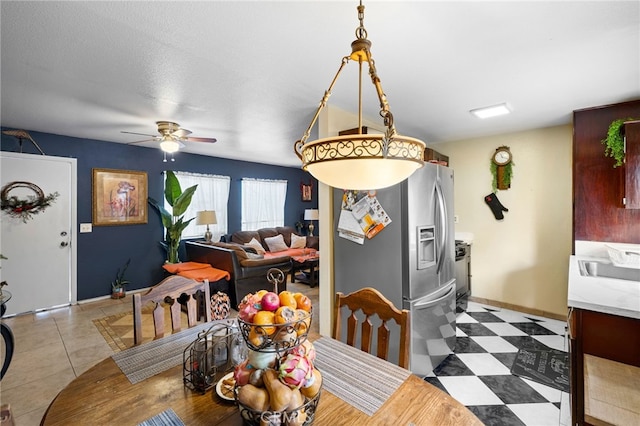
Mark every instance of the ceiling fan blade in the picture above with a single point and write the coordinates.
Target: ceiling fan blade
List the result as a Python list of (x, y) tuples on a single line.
[(194, 139), (181, 133), (142, 141), (141, 134)]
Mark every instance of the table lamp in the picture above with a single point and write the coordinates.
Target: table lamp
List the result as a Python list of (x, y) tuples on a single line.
[(311, 215), (206, 217)]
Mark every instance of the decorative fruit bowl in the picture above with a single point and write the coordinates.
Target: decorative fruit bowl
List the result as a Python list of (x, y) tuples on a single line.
[(273, 323), (277, 384), (279, 336)]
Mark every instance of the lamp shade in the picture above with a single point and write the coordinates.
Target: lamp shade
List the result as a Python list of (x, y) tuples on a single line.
[(206, 217), (311, 214), (169, 146)]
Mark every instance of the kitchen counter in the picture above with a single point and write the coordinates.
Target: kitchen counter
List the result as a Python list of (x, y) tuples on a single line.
[(599, 294)]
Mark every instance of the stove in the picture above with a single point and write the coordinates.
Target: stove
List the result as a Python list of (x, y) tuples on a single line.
[(463, 273)]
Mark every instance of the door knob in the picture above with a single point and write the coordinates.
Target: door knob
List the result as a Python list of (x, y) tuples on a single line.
[(64, 244)]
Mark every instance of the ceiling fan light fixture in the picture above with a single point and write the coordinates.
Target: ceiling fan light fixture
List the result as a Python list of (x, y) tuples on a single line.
[(169, 145), (361, 162)]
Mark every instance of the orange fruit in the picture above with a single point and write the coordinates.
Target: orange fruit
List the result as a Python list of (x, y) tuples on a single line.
[(265, 319), (302, 302), (287, 299), (261, 293)]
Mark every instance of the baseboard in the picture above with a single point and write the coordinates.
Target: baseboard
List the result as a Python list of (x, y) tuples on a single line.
[(518, 308)]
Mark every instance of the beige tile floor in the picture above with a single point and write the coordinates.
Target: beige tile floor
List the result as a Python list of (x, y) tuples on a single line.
[(54, 347), (51, 349)]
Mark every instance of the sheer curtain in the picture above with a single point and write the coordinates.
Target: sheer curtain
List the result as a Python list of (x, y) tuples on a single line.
[(212, 194), (263, 203)]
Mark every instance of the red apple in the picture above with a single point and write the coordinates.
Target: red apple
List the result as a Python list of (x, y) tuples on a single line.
[(270, 301)]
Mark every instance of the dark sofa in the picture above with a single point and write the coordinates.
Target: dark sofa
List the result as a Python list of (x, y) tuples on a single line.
[(247, 267), (248, 273)]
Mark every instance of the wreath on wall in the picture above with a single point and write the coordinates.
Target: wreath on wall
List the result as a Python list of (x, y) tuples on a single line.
[(25, 209)]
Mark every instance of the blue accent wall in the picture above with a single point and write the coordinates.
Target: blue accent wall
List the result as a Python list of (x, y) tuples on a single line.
[(107, 248)]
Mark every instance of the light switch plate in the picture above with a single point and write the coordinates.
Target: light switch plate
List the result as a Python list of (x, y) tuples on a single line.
[(85, 227)]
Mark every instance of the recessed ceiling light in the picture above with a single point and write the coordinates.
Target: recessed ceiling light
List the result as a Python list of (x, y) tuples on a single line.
[(491, 111)]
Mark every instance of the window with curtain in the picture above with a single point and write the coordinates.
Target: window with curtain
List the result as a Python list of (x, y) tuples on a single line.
[(212, 194), (263, 203)]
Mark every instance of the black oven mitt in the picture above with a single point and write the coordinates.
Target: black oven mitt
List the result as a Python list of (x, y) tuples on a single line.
[(496, 207)]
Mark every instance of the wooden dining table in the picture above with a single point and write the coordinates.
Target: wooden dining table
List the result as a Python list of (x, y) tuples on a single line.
[(104, 395)]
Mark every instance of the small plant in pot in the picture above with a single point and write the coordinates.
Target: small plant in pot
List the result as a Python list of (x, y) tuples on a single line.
[(117, 285), (614, 142)]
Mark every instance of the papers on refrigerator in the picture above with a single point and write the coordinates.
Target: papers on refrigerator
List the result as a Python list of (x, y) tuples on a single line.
[(361, 216)]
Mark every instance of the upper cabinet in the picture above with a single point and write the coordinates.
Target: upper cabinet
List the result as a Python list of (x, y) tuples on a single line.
[(598, 210), (631, 168)]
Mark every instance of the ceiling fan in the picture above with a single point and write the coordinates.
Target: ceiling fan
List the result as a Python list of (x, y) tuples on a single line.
[(172, 137)]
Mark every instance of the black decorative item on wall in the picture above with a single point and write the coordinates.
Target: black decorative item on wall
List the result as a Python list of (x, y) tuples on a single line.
[(306, 191), (495, 205), (501, 168)]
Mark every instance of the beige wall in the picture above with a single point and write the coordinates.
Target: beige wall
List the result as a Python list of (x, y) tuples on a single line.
[(523, 259)]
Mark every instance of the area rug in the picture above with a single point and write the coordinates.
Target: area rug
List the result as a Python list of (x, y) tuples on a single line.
[(548, 367), (117, 330)]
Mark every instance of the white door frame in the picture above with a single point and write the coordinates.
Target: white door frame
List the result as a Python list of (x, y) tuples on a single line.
[(73, 211)]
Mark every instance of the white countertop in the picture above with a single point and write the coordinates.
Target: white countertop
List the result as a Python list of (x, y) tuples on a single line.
[(606, 295)]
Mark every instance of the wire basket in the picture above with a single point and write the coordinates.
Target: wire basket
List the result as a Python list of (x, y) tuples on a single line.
[(276, 337), (212, 355), (278, 418)]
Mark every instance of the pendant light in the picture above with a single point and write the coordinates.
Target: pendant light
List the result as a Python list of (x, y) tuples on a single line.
[(361, 161)]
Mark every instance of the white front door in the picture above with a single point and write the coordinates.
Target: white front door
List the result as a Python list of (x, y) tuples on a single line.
[(40, 268)]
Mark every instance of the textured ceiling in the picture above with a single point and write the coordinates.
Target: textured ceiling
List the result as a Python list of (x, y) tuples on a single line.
[(252, 73)]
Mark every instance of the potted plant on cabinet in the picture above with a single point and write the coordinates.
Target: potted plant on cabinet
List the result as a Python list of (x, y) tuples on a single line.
[(614, 142), (117, 286), (174, 222)]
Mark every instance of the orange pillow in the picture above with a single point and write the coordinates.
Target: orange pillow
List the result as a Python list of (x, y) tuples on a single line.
[(174, 268), (211, 274)]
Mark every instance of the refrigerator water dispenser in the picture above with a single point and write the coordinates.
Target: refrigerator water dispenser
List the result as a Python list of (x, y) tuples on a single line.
[(426, 246)]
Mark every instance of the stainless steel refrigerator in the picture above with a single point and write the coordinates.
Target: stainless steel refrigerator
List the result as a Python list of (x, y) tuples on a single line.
[(411, 261)]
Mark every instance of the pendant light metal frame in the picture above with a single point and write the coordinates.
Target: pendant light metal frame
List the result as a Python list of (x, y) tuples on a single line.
[(360, 161)]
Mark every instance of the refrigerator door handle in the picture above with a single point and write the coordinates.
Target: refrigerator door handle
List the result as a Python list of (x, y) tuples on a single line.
[(442, 207), (435, 301)]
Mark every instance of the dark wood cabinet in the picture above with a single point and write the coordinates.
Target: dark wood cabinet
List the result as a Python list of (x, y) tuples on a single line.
[(631, 168), (605, 367), (598, 212)]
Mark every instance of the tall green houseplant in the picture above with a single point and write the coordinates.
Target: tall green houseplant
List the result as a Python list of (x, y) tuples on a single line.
[(174, 222)]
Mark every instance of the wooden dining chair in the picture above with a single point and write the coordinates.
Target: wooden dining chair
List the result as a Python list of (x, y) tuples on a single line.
[(171, 289), (372, 303)]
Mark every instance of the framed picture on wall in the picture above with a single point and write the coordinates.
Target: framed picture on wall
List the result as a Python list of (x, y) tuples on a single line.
[(306, 191), (119, 197)]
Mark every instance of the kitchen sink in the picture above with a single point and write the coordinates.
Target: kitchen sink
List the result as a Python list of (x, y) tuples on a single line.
[(592, 268)]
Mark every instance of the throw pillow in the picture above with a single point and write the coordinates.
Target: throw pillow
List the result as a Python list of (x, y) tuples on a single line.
[(256, 245), (174, 268), (298, 242), (276, 243)]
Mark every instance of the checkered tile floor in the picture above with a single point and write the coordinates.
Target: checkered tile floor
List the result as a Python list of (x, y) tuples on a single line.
[(478, 374)]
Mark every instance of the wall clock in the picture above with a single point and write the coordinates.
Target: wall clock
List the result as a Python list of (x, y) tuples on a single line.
[(502, 156)]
